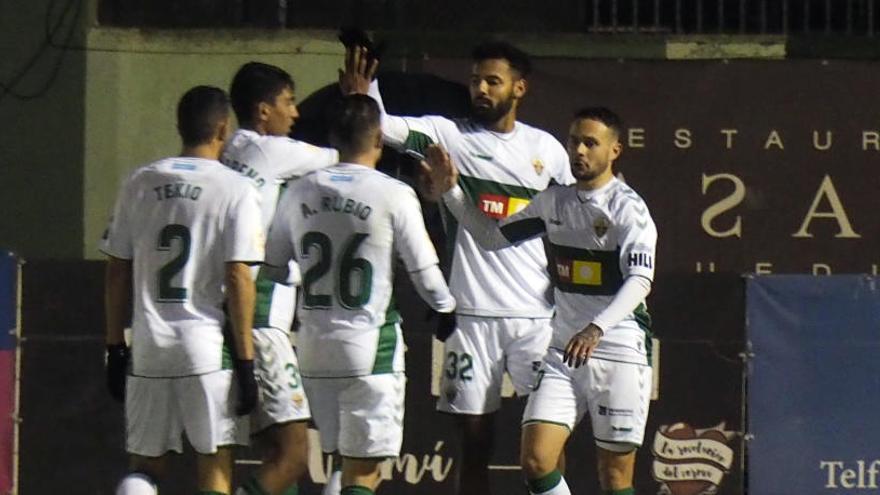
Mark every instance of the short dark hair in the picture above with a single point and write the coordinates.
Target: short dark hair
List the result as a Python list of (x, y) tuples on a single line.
[(353, 121), (603, 115), (518, 59), (254, 83), (199, 112)]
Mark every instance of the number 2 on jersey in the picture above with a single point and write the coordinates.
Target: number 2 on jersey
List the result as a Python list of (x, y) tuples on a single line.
[(319, 245), (167, 292)]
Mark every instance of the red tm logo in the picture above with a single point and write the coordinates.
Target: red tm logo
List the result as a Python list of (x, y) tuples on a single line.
[(493, 205)]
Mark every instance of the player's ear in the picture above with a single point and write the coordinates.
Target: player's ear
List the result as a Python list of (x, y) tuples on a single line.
[(616, 149), (377, 141), (224, 129), (520, 86), (263, 110)]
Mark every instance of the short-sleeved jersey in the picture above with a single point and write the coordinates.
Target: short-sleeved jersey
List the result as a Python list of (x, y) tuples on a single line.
[(595, 240), (344, 224), (500, 173), (270, 161), (180, 220)]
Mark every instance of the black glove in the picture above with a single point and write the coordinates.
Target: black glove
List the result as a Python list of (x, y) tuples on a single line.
[(118, 356), (445, 326), (352, 36), (247, 386)]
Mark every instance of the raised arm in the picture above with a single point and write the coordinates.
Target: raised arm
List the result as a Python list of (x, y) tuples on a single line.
[(402, 133), (491, 235)]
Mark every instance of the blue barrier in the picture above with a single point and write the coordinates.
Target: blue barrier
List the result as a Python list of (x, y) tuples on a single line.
[(9, 327), (814, 384)]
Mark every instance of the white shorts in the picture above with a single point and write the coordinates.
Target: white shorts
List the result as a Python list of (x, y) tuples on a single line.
[(361, 417), (159, 410), (477, 354), (617, 396), (282, 397)]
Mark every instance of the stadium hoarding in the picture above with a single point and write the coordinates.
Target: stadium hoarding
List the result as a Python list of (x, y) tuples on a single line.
[(748, 166), (813, 384)]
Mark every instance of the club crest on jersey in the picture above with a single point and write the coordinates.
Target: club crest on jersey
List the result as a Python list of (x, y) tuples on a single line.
[(500, 206), (600, 226), (539, 166)]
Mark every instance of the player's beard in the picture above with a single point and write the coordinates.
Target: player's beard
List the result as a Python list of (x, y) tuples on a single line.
[(583, 173), (491, 114)]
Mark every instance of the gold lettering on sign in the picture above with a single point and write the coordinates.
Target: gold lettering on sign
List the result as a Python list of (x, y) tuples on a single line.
[(636, 137), (826, 189), (729, 133), (763, 268), (821, 269), (822, 146), (683, 139), (871, 138), (728, 203), (774, 140)]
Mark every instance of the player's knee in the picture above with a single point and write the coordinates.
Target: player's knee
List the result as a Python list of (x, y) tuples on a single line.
[(292, 454), (616, 463), (536, 465), (294, 466)]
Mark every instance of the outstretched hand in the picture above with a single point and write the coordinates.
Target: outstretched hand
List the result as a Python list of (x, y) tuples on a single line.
[(359, 71), (440, 173)]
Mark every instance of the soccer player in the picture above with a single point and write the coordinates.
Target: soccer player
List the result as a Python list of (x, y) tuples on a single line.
[(602, 242), (184, 233), (344, 224), (265, 105), (503, 308)]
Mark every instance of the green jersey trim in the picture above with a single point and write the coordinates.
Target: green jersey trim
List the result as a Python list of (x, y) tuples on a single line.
[(643, 319), (584, 271), (474, 187), (387, 345), (226, 357), (417, 141), (265, 291)]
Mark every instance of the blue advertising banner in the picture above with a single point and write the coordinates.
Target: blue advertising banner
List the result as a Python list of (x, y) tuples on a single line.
[(814, 384), (9, 266)]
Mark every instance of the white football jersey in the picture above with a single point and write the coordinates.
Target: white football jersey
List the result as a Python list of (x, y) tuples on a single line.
[(595, 240), (343, 225), (180, 220), (270, 161), (500, 173)]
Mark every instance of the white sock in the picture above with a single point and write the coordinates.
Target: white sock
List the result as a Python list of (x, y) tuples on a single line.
[(334, 484), (136, 484), (559, 489)]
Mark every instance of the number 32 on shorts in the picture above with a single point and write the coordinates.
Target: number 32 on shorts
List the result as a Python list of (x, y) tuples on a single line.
[(459, 366)]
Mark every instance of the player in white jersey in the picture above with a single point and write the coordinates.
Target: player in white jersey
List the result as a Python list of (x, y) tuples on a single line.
[(344, 224), (502, 308), (263, 99), (602, 242), (184, 233)]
